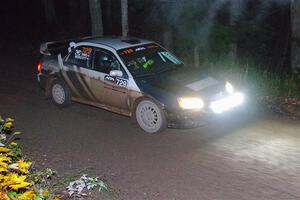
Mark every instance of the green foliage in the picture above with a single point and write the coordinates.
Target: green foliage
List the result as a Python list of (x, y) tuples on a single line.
[(259, 82), (220, 39), (19, 180), (258, 30)]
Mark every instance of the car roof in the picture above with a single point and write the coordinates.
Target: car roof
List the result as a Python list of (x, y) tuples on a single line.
[(118, 42)]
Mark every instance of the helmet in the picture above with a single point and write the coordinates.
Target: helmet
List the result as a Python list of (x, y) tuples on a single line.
[(104, 58)]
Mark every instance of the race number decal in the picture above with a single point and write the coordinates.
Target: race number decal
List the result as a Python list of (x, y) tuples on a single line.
[(121, 82), (117, 81)]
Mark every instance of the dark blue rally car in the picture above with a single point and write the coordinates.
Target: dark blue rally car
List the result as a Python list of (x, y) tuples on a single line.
[(133, 77)]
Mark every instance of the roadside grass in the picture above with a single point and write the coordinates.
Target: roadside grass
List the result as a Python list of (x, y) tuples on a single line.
[(277, 91), (20, 180), (260, 82)]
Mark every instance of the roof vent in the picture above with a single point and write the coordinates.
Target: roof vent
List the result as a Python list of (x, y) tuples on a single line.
[(131, 41)]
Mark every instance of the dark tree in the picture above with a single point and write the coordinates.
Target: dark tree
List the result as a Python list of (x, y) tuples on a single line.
[(50, 13), (295, 23), (124, 10), (108, 16), (96, 17)]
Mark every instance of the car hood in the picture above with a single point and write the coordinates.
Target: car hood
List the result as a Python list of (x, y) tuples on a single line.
[(166, 87)]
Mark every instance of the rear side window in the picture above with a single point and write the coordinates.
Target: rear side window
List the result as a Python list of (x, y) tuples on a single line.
[(80, 56)]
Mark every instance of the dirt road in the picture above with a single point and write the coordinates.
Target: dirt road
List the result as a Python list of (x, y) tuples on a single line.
[(238, 158)]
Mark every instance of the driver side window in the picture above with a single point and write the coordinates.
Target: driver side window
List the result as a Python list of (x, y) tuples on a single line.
[(104, 62)]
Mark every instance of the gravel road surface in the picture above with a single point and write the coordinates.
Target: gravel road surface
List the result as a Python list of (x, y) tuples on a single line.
[(243, 158)]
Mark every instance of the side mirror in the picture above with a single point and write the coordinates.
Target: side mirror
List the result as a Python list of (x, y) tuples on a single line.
[(116, 73)]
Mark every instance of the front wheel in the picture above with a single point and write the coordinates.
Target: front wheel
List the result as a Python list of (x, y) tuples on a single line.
[(150, 117)]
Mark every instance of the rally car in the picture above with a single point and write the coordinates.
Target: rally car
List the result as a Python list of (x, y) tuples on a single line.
[(133, 77)]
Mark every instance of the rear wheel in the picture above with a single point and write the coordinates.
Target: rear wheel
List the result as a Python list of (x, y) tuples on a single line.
[(60, 93), (150, 116)]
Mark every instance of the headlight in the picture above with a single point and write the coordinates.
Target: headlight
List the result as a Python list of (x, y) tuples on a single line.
[(229, 88), (190, 103), (227, 103)]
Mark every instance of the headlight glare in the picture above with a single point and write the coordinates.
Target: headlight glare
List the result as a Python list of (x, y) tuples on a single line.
[(190, 103), (229, 88), (227, 103)]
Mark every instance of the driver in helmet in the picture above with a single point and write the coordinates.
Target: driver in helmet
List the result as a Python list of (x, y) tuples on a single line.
[(108, 63)]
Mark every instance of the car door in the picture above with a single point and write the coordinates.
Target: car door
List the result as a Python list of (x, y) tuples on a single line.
[(109, 91), (76, 72)]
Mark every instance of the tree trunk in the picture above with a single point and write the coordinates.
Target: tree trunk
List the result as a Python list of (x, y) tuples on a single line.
[(167, 38), (84, 19), (196, 56), (124, 10), (108, 16), (50, 13), (73, 26), (295, 23), (96, 17), (235, 8)]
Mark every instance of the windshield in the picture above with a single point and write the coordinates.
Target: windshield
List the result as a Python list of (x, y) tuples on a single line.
[(148, 60)]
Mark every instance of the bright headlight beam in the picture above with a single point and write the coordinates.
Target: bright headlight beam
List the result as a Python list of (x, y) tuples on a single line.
[(229, 88), (190, 103), (227, 103)]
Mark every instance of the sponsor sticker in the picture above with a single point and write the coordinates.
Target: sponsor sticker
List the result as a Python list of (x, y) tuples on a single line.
[(140, 48), (127, 52), (137, 49), (83, 54), (151, 46), (117, 81)]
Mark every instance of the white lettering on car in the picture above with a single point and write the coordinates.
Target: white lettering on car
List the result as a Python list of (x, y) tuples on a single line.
[(118, 81)]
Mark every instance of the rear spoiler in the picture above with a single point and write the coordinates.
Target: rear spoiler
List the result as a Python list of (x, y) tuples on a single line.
[(56, 47)]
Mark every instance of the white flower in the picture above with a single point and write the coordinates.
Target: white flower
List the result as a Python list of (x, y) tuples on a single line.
[(2, 137), (13, 166), (76, 188)]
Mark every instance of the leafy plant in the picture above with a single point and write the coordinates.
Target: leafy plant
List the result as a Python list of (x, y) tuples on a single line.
[(15, 170), (79, 187), (19, 180)]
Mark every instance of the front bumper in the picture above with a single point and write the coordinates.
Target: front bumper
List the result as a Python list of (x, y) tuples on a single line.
[(217, 109)]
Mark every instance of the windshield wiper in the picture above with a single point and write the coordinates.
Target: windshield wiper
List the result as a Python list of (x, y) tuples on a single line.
[(144, 75), (173, 67)]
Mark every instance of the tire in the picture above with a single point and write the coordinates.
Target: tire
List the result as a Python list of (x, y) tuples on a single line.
[(60, 94), (150, 117)]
